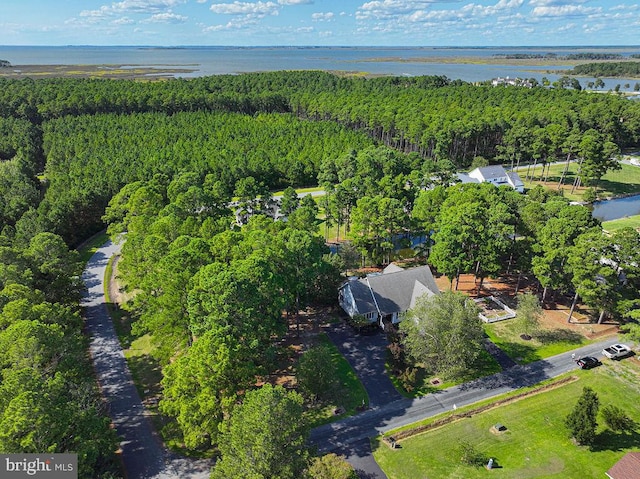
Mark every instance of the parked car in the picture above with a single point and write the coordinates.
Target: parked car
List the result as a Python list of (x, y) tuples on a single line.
[(588, 362), (617, 351)]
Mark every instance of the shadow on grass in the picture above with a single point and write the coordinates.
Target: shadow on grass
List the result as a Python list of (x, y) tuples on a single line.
[(121, 320), (519, 352), (559, 336), (608, 440), (617, 188), (147, 374)]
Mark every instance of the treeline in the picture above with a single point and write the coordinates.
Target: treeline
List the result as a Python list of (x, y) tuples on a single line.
[(49, 401), (462, 122), (97, 135), (89, 158), (555, 56), (608, 69)]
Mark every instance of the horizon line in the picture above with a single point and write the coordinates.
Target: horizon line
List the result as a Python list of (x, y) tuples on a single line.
[(81, 45)]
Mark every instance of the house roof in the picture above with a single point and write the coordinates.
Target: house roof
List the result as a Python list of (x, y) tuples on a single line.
[(491, 171), (394, 291), (465, 178), (515, 179), (626, 468)]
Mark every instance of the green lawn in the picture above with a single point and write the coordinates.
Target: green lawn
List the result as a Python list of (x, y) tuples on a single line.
[(352, 395), (614, 183), (301, 191), (536, 444), (484, 366), (628, 222), (543, 344)]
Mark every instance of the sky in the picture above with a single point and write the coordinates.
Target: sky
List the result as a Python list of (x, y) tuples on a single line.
[(320, 22)]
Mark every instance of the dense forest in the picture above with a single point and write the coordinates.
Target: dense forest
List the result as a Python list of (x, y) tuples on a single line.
[(164, 160), (608, 69), (91, 137)]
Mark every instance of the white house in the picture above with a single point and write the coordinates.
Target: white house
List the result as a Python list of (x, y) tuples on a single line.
[(494, 174), (382, 297)]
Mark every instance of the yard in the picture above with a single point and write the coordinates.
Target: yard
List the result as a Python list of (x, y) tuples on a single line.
[(627, 222), (615, 183), (536, 443), (556, 334)]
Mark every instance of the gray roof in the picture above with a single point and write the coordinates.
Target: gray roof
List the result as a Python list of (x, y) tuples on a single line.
[(465, 178), (394, 291), (515, 179), (492, 171)]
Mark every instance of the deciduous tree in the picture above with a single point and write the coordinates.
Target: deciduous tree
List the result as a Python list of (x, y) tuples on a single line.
[(264, 438), (444, 333)]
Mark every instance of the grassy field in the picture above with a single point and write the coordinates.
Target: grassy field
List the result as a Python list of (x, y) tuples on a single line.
[(615, 183), (628, 222), (536, 444), (544, 344)]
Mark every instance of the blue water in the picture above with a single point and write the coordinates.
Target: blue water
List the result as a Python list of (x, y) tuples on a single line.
[(374, 60), (616, 208)]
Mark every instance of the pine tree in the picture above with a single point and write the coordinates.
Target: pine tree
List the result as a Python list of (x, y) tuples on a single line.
[(582, 421)]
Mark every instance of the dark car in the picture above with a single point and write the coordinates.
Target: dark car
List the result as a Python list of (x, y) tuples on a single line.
[(588, 362)]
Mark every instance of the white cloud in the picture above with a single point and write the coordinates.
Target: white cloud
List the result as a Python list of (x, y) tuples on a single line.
[(123, 21), (565, 11), (547, 3), (167, 17), (132, 6), (390, 8), (322, 17), (567, 27), (258, 9), (295, 2)]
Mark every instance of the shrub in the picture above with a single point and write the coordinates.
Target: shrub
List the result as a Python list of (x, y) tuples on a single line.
[(617, 420), (469, 455), (331, 466)]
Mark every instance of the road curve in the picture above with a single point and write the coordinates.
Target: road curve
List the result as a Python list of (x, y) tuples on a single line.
[(142, 452)]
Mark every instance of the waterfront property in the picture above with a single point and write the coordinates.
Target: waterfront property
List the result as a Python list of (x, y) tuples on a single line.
[(384, 296)]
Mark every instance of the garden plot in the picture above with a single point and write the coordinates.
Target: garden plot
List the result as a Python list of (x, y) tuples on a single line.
[(492, 309)]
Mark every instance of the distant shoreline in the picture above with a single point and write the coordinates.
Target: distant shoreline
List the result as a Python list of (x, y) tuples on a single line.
[(157, 72)]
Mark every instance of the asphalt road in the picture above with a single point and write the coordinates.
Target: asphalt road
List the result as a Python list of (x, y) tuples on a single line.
[(143, 455), (350, 437)]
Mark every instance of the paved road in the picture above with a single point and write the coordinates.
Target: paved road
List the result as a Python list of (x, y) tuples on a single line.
[(143, 454), (349, 436)]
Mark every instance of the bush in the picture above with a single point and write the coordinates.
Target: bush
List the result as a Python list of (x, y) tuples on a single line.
[(331, 466), (316, 374), (469, 455), (617, 420), (589, 195), (408, 378)]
